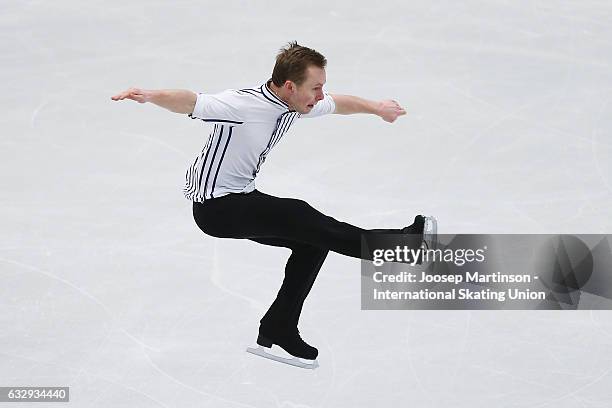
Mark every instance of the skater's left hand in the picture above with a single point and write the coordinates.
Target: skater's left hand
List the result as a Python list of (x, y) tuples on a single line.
[(389, 110)]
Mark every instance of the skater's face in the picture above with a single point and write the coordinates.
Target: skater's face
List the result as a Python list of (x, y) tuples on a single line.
[(304, 97)]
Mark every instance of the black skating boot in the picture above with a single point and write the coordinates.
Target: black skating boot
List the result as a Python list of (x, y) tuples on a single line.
[(427, 228), (290, 341)]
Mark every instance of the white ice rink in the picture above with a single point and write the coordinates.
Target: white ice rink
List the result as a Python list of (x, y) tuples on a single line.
[(108, 286)]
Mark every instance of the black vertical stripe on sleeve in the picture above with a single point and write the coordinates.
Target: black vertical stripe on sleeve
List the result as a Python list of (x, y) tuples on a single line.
[(281, 126), (263, 154), (288, 120), (285, 129), (278, 135)]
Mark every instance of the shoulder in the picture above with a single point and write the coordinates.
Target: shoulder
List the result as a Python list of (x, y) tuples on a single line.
[(324, 107)]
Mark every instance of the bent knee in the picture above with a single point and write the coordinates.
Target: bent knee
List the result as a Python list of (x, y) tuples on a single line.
[(310, 251)]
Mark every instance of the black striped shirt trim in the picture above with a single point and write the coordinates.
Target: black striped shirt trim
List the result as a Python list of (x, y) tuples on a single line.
[(251, 89), (262, 155), (212, 161), (288, 125), (192, 187), (272, 94), (203, 169), (216, 120), (229, 136), (252, 93), (273, 101), (281, 131), (282, 126)]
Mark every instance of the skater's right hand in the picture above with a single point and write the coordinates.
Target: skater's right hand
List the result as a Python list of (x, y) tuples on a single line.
[(389, 110), (135, 94)]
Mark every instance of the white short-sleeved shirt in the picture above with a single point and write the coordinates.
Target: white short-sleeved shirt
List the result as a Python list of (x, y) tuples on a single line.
[(248, 123)]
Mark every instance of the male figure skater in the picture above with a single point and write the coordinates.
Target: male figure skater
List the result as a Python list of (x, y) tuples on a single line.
[(248, 123)]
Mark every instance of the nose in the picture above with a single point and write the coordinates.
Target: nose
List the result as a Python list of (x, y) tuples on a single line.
[(319, 96)]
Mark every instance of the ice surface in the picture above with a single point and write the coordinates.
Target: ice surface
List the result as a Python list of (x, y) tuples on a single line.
[(110, 288)]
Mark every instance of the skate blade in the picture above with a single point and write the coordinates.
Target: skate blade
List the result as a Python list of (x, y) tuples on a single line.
[(431, 231), (294, 361)]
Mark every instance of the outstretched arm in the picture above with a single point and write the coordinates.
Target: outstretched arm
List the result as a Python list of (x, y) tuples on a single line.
[(175, 100), (388, 110)]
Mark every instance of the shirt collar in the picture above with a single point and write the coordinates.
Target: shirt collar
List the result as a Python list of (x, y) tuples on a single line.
[(271, 96)]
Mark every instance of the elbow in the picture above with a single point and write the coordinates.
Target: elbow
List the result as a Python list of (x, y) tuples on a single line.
[(187, 103), (191, 102)]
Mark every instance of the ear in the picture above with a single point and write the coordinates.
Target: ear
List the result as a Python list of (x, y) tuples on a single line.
[(290, 86)]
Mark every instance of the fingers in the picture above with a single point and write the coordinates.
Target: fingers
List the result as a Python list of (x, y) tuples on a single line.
[(393, 112), (394, 104), (132, 93), (121, 96), (397, 109)]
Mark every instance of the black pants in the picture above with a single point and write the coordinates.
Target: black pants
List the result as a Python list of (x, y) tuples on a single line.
[(288, 223)]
